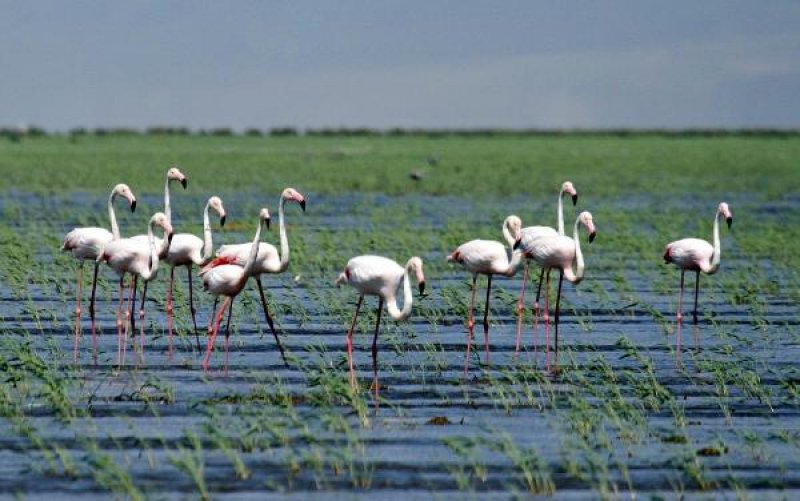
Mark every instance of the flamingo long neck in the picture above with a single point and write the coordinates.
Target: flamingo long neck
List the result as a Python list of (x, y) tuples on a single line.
[(408, 299), (153, 254), (167, 208), (284, 239), (561, 212), (576, 276), (513, 265), (507, 235), (112, 216), (207, 243), (251, 258), (717, 249)]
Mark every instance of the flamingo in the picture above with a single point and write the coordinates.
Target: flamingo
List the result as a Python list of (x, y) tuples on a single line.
[(529, 235), (129, 255), (173, 174), (379, 276), (87, 243), (187, 250), (488, 257), (268, 260), (697, 255), (227, 279), (560, 251)]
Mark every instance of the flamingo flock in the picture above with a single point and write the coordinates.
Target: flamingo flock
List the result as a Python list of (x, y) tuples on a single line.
[(226, 273)]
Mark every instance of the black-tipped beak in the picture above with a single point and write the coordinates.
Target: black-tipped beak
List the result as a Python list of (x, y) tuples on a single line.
[(150, 263), (575, 199), (517, 244), (222, 221), (421, 288), (169, 237), (591, 236), (133, 206), (729, 220), (303, 205), (184, 182), (266, 222)]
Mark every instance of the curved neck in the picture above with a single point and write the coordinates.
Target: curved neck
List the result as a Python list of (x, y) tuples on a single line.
[(284, 239), (408, 299), (561, 212), (251, 258), (576, 276), (112, 216), (207, 243), (717, 249), (167, 209), (153, 254), (513, 265), (507, 235)]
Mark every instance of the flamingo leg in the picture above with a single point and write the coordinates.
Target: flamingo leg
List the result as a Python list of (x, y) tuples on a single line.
[(375, 351), (227, 337), (696, 292), (470, 322), (680, 317), (520, 304), (269, 319), (536, 318), (486, 319), (119, 320), (211, 318), (214, 333), (350, 341), (78, 313), (141, 321), (558, 314), (546, 316), (192, 308), (128, 319), (91, 311), (133, 304), (170, 308)]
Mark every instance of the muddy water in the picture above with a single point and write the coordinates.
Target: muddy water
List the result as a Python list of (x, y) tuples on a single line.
[(627, 412)]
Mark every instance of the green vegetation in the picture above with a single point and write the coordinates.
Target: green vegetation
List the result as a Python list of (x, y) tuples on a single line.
[(626, 414)]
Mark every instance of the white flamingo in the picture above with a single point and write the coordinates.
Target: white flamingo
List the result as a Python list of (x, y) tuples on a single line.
[(130, 255), (379, 276), (86, 244), (697, 255), (488, 257), (226, 279), (186, 250), (173, 174), (268, 259), (529, 235), (559, 252)]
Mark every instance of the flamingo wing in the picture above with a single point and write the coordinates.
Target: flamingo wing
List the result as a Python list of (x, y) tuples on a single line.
[(86, 243), (689, 253)]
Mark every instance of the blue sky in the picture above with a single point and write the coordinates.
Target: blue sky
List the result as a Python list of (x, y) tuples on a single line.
[(400, 63)]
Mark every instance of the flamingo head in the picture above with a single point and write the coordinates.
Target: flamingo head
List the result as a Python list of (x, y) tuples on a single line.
[(295, 196), (263, 215), (568, 188), (175, 174), (514, 226), (160, 220), (415, 265), (216, 204), (726, 212), (124, 190), (585, 219)]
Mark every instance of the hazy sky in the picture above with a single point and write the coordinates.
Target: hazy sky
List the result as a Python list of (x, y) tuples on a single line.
[(406, 63)]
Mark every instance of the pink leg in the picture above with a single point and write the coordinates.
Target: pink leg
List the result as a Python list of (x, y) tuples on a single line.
[(227, 337), (470, 323), (680, 317), (520, 305), (119, 321), (696, 292), (211, 318), (375, 352), (547, 321), (131, 292), (91, 312), (486, 319), (78, 313), (214, 333), (141, 323), (536, 319), (350, 342), (192, 308), (169, 309)]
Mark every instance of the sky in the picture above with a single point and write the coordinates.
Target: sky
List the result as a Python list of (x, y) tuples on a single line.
[(405, 63)]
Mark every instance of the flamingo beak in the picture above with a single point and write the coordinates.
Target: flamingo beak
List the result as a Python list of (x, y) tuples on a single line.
[(222, 220), (169, 237), (266, 222), (517, 244), (422, 288), (303, 204), (574, 199), (591, 236), (133, 206), (184, 182), (729, 220), (150, 263)]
